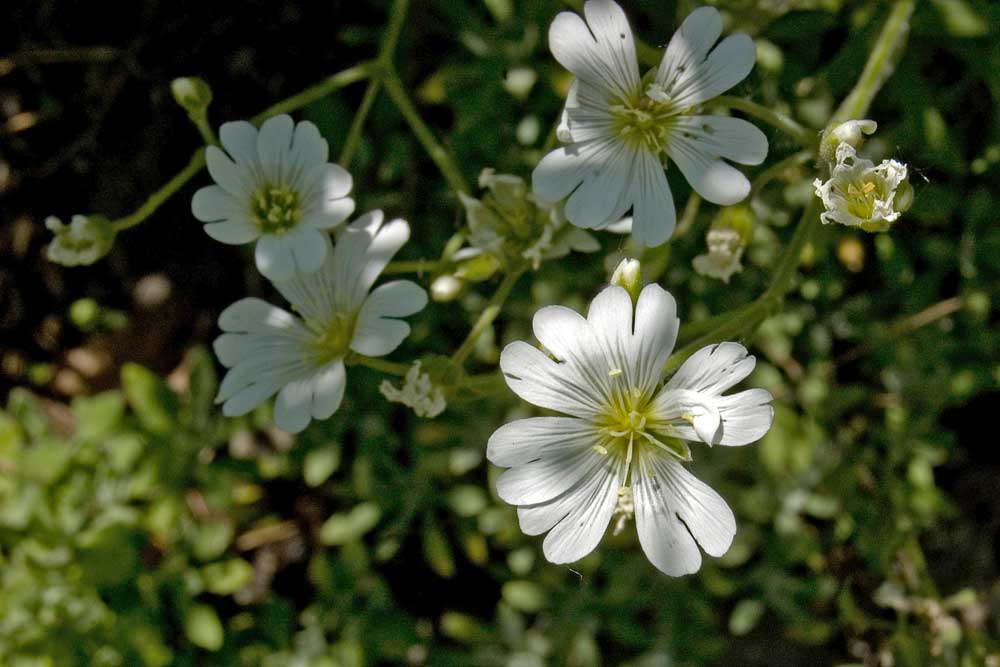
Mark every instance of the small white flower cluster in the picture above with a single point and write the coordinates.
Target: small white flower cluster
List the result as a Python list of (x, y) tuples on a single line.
[(275, 186), (418, 393)]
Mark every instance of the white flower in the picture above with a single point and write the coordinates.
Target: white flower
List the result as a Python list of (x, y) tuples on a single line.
[(418, 393), (625, 429), (619, 126), (269, 350), (861, 194), (275, 187), (725, 249), (86, 239)]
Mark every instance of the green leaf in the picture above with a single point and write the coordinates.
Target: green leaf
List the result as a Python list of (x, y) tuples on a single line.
[(344, 527), (203, 627), (524, 596), (97, 415), (437, 551), (153, 402), (746, 614), (227, 577), (321, 463), (202, 386)]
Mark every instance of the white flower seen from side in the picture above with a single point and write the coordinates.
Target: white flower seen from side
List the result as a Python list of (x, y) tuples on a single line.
[(417, 393), (274, 186), (725, 249), (860, 193), (620, 448), (86, 239), (301, 358), (620, 128)]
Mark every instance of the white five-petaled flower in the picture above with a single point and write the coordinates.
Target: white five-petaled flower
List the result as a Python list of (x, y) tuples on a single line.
[(274, 186), (621, 447), (86, 239), (269, 350), (860, 193), (618, 125)]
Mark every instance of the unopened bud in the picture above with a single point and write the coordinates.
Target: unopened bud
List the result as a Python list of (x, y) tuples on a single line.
[(192, 93), (446, 288), (852, 132), (628, 274), (479, 268)]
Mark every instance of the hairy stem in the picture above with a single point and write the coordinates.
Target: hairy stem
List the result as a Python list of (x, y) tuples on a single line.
[(156, 199), (445, 163), (487, 316), (803, 135)]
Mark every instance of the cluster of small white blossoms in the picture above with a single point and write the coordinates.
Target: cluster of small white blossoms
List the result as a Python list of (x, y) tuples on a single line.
[(276, 187), (860, 193), (620, 127), (621, 448), (418, 393)]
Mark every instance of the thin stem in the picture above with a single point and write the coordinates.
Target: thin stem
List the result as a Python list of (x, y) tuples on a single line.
[(416, 266), (880, 65), (353, 140), (487, 316), (776, 170), (390, 38), (803, 135), (382, 365), (346, 77), (157, 199), (789, 260), (445, 164), (200, 121), (691, 209)]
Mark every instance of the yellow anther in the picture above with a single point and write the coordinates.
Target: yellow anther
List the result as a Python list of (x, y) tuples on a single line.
[(615, 372), (600, 450)]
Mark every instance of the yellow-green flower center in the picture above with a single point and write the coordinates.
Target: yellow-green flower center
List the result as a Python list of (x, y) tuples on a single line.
[(333, 340), (630, 421), (276, 208), (861, 195), (644, 122)]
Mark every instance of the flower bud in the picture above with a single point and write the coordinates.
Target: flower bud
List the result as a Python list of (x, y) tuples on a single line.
[(446, 288), (726, 240), (628, 274), (85, 240), (192, 93), (479, 268), (852, 133)]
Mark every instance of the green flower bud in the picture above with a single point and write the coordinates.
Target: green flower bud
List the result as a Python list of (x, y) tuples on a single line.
[(192, 93), (446, 288), (628, 274), (852, 132)]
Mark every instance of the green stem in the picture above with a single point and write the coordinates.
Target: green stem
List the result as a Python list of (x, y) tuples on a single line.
[(691, 209), (390, 38), (346, 77), (353, 140), (416, 266), (156, 199), (744, 321), (880, 65), (803, 135), (445, 164), (776, 170), (382, 365), (489, 314)]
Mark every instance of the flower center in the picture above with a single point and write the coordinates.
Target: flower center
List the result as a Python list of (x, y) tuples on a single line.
[(276, 208), (861, 195), (630, 423), (645, 121), (334, 339)]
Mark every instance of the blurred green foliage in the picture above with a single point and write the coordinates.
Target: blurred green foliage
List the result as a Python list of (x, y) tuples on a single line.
[(138, 527)]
